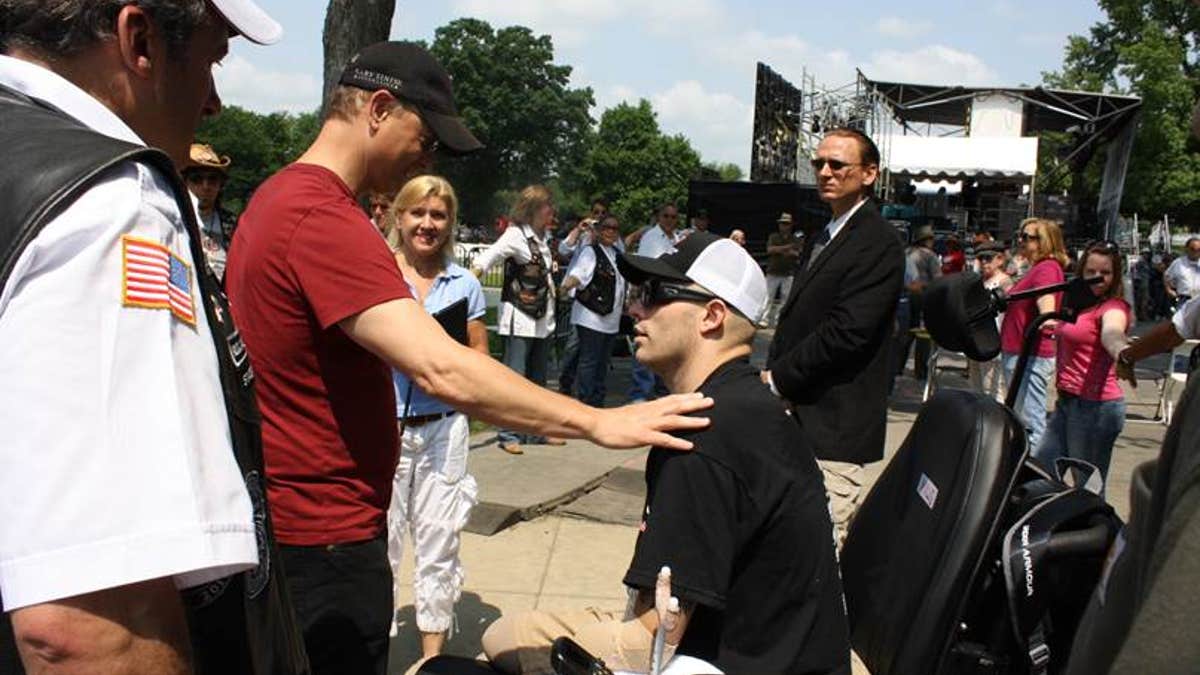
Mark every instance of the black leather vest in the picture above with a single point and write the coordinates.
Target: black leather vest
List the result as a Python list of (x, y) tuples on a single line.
[(601, 292), (239, 624), (531, 279)]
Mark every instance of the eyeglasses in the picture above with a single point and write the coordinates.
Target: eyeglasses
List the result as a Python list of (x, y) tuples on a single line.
[(1104, 246), (819, 163), (1026, 236), (653, 293), (429, 140)]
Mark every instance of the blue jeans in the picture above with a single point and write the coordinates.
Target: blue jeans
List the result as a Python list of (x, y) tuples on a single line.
[(646, 385), (595, 348), (1082, 429), (569, 365), (528, 357), (1031, 399)]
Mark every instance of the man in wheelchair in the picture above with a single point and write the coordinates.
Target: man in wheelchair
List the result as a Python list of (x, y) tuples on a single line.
[(741, 520)]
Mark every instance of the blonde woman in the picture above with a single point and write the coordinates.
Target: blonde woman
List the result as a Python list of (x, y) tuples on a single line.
[(526, 317), (1041, 242), (432, 494)]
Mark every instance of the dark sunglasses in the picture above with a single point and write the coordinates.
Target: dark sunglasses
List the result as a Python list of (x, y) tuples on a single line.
[(1025, 236), (819, 163), (654, 292), (985, 257), (1104, 246)]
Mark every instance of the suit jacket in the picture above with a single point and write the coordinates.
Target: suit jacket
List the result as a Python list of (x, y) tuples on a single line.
[(829, 357)]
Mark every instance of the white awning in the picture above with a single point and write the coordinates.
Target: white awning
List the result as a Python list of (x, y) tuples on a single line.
[(963, 157)]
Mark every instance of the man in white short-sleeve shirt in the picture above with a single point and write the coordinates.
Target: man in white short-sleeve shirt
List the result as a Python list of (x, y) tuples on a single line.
[(120, 483), (1182, 278)]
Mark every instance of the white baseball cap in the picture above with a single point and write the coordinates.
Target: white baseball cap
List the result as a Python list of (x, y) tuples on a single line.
[(249, 20), (718, 264)]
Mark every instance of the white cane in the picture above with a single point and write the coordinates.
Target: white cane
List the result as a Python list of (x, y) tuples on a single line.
[(667, 609)]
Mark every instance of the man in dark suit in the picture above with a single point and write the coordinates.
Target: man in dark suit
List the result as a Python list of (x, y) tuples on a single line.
[(829, 356)]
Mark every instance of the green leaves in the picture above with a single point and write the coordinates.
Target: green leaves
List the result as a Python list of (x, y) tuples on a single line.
[(518, 102), (258, 144), (636, 165), (1147, 48)]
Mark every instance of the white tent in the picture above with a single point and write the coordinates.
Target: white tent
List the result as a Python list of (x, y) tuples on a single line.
[(963, 157)]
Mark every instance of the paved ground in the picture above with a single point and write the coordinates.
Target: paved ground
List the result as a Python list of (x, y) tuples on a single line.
[(556, 526)]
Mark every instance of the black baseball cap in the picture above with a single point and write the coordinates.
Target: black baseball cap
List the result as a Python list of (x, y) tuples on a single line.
[(413, 75)]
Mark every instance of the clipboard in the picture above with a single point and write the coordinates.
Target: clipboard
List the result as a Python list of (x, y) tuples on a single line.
[(453, 319)]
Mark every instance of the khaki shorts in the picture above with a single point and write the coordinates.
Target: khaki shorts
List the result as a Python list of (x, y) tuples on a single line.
[(520, 643), (844, 488)]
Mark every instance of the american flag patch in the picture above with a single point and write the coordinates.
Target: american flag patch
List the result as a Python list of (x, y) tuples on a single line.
[(155, 278)]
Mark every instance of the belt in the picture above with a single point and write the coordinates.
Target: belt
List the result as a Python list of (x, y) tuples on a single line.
[(419, 420)]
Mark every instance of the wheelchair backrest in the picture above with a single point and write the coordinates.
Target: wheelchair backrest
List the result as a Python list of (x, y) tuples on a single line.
[(919, 538)]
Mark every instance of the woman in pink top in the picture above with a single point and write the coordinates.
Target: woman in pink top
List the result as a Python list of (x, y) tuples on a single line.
[(1091, 407), (1041, 243)]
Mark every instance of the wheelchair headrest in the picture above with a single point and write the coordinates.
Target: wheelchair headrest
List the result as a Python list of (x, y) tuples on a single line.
[(961, 316)]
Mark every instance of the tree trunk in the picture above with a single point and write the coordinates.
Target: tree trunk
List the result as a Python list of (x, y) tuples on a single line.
[(351, 25)]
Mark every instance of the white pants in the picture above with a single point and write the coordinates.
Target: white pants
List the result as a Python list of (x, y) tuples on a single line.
[(783, 284), (431, 499)]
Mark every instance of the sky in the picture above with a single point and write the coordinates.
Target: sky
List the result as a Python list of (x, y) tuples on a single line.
[(694, 60)]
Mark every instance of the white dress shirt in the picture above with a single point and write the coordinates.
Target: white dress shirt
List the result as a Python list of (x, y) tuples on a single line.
[(117, 460), (835, 226)]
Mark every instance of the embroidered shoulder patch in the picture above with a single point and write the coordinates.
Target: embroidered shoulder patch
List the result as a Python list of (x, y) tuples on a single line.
[(152, 277)]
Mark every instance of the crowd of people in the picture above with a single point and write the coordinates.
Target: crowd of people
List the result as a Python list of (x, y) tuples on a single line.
[(263, 409)]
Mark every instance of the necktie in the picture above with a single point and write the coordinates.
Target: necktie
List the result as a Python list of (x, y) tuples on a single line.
[(818, 245)]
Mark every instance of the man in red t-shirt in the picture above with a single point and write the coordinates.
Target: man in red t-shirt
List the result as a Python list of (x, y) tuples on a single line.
[(325, 313)]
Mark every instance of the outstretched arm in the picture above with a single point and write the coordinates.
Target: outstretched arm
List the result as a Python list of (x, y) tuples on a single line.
[(401, 333)]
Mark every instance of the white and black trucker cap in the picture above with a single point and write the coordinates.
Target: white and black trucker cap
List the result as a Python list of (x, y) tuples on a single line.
[(720, 265)]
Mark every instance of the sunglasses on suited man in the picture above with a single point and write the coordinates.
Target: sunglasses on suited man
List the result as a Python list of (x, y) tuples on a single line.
[(819, 163)]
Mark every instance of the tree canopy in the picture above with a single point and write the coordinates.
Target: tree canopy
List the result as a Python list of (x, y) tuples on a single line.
[(537, 128), (1150, 49), (258, 144), (636, 165), (518, 102)]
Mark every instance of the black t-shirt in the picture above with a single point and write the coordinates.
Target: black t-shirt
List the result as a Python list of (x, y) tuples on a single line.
[(742, 521)]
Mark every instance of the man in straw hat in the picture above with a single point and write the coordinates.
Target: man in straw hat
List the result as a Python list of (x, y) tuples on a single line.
[(205, 174)]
